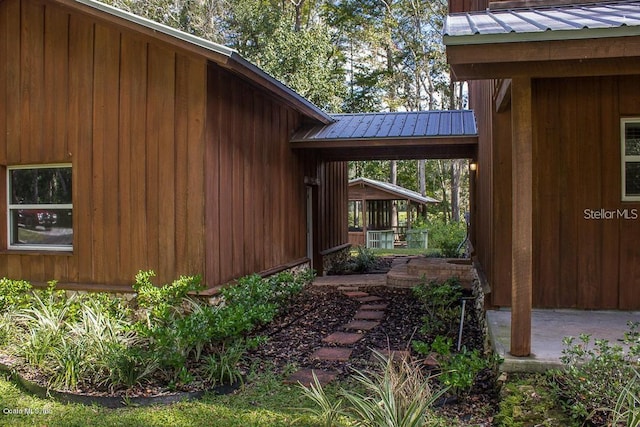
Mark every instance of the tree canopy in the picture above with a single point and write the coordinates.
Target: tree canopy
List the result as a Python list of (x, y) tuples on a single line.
[(344, 56)]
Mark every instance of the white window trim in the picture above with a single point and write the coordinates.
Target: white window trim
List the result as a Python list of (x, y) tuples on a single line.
[(10, 206), (625, 159)]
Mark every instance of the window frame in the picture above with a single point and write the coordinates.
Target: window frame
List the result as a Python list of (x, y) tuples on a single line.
[(12, 207), (627, 159)]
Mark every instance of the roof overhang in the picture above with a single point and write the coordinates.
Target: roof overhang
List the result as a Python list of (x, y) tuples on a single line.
[(602, 39), (224, 56), (392, 136)]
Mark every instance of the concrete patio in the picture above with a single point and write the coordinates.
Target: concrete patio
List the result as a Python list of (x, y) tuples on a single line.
[(548, 328)]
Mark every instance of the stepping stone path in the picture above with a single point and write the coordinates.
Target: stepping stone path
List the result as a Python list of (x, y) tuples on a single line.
[(369, 316)]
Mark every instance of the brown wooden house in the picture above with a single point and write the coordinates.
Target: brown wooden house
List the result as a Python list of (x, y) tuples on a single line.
[(556, 91), (370, 209), (127, 145)]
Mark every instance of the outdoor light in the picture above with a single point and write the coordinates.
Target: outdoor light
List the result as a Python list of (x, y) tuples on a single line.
[(473, 166)]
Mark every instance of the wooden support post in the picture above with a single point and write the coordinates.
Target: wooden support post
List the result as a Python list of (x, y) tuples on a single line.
[(522, 218)]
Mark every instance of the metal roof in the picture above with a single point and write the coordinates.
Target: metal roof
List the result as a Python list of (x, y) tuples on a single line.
[(401, 192), (562, 22), (239, 64), (395, 125)]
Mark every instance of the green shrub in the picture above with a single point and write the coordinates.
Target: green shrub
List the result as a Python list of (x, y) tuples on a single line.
[(95, 340), (596, 374), (14, 294), (442, 304), (458, 370), (447, 236)]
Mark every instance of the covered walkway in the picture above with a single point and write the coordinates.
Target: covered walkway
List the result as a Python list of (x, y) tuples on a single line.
[(442, 134)]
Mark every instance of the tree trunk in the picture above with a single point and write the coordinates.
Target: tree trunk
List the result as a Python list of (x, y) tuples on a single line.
[(456, 173), (442, 173), (394, 207)]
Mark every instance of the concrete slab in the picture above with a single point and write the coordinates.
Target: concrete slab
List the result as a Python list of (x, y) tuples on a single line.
[(548, 328)]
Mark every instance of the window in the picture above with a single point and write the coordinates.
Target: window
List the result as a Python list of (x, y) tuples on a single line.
[(355, 215), (630, 131), (40, 207)]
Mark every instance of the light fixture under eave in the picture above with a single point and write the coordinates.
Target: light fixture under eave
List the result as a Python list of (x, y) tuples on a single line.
[(473, 166)]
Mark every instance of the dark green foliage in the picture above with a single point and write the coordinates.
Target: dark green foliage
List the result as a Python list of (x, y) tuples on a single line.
[(442, 303), (447, 236), (364, 260), (458, 370), (14, 294), (96, 340), (596, 373)]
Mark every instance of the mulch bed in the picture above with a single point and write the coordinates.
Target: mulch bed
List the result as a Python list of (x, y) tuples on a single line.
[(321, 311)]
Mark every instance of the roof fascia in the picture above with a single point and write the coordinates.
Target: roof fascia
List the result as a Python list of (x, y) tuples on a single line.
[(605, 56), (556, 35), (388, 142)]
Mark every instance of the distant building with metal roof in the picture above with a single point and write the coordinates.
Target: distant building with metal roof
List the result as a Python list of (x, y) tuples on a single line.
[(394, 190)]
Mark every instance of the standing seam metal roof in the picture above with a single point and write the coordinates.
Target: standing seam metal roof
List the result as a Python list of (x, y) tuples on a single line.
[(565, 22), (413, 124), (402, 192)]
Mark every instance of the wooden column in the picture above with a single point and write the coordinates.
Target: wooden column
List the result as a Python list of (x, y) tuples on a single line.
[(522, 218)]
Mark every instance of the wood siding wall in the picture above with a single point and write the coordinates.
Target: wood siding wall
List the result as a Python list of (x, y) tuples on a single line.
[(178, 165), (333, 205), (129, 115), (593, 264), (256, 197)]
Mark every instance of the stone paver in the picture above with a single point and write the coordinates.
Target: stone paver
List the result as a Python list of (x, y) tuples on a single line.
[(371, 298), (348, 288), (305, 377), (356, 294), (374, 306), (343, 338), (369, 315), (361, 325), (337, 354)]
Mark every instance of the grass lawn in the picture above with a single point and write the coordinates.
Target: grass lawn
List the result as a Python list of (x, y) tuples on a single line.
[(265, 401), (526, 400)]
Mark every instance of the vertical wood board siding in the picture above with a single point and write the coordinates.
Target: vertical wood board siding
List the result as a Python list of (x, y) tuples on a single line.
[(255, 183), (128, 113), (578, 262)]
